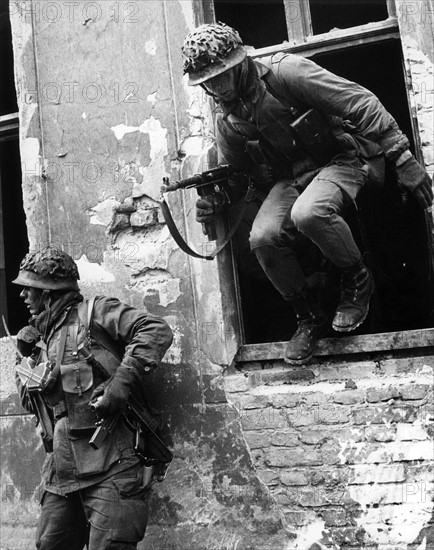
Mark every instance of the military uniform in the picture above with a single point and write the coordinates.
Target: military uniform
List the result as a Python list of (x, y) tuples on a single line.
[(98, 497)]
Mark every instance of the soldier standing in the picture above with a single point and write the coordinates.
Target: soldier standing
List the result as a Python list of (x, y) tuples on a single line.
[(94, 497)]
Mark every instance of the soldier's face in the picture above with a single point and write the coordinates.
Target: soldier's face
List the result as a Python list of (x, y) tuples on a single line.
[(33, 298), (223, 86)]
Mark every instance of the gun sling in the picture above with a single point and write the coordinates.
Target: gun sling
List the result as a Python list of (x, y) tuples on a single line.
[(180, 241)]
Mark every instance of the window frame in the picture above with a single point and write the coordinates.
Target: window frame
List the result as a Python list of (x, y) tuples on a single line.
[(303, 42)]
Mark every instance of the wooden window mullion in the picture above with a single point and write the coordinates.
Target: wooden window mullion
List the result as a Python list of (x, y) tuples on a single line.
[(298, 20)]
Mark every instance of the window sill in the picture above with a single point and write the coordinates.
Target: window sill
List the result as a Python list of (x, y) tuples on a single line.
[(366, 343), (336, 39)]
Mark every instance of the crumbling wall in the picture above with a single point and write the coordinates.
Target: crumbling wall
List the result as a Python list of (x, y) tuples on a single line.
[(346, 448), (105, 115)]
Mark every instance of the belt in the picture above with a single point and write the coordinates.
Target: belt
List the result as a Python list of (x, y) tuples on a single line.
[(60, 410)]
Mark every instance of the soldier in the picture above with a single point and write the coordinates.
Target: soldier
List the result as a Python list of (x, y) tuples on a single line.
[(97, 497), (309, 141)]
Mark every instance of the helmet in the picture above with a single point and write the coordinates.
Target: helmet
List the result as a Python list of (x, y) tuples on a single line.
[(210, 50), (49, 269)]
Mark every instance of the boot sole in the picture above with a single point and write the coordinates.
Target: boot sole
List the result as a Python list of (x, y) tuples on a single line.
[(362, 320), (298, 362)]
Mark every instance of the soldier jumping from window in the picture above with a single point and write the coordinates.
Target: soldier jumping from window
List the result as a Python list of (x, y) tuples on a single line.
[(309, 141)]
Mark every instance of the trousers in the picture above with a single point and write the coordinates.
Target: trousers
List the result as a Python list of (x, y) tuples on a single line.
[(317, 214), (111, 515)]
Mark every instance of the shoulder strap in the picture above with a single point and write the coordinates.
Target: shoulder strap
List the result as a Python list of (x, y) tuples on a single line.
[(85, 312), (276, 88)]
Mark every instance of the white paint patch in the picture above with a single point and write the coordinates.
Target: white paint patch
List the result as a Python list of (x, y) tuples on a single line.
[(154, 172), (151, 47), (404, 522), (93, 272), (188, 9), (30, 156), (102, 213), (174, 353), (308, 535), (152, 98)]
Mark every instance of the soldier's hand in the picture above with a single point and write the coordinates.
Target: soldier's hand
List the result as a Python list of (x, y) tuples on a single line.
[(26, 340), (204, 211), (415, 178), (112, 395)]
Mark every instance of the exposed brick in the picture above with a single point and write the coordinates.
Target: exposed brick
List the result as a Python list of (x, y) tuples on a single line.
[(330, 452), (345, 537), (335, 517), (144, 218), (414, 391), (257, 419), (284, 458), (349, 397), (315, 398), (380, 493), (257, 440), (285, 400), (312, 437), (410, 432), (380, 473), (374, 395), (294, 477), (285, 439), (237, 383), (269, 477), (300, 416), (298, 518), (331, 413), (384, 414), (329, 477), (374, 433), (247, 402), (416, 450)]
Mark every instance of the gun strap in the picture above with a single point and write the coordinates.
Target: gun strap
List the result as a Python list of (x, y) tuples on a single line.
[(180, 241)]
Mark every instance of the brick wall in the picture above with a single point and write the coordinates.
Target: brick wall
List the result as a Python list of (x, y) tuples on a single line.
[(345, 448)]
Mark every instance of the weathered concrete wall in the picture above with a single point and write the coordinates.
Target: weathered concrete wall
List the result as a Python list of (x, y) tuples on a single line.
[(104, 116)]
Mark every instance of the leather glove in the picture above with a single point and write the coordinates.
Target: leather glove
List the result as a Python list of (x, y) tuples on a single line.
[(27, 338), (204, 211), (113, 393), (208, 207), (412, 176)]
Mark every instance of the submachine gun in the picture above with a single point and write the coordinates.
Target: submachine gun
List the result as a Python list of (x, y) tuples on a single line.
[(213, 186)]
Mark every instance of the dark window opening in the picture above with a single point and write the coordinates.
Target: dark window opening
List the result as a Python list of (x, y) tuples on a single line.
[(13, 231), (260, 23), (389, 228), (8, 96), (343, 14)]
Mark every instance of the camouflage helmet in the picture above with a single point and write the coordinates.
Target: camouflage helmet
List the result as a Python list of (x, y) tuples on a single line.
[(48, 269), (210, 50)]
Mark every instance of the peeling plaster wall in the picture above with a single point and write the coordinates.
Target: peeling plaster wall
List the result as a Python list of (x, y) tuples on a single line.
[(105, 114)]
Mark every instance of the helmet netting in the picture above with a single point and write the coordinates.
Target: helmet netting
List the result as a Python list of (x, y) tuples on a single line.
[(209, 44), (50, 262)]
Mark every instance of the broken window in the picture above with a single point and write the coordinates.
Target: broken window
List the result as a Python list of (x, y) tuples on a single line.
[(363, 46), (13, 232)]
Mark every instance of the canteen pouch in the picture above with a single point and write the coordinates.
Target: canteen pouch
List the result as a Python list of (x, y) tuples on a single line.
[(77, 385), (314, 134)]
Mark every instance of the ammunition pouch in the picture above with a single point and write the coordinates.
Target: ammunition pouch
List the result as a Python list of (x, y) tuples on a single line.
[(38, 378), (77, 385)]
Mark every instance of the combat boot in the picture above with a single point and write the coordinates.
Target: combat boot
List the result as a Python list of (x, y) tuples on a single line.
[(357, 286), (312, 325)]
